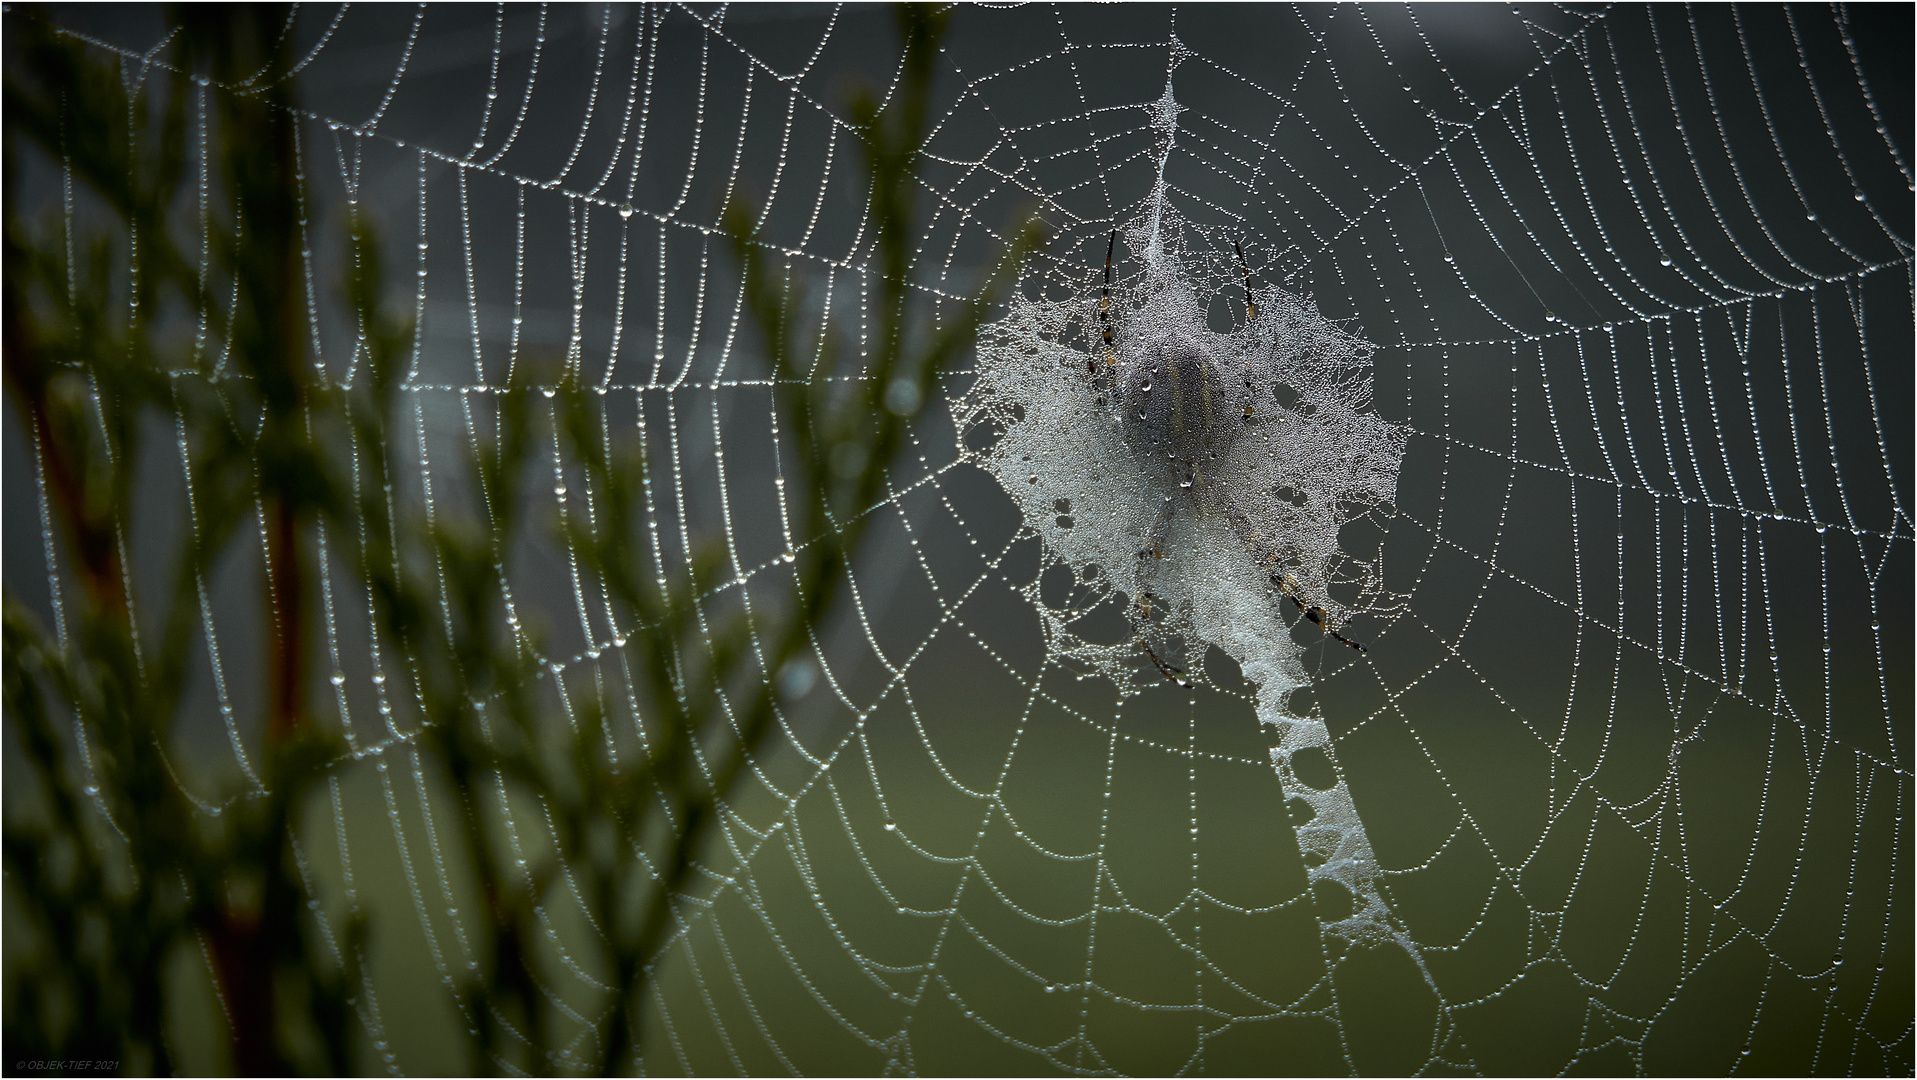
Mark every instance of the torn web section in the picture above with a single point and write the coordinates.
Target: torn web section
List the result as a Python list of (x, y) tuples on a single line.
[(1062, 458), (1319, 458)]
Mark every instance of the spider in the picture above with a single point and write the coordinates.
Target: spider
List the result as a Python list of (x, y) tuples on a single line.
[(1179, 410)]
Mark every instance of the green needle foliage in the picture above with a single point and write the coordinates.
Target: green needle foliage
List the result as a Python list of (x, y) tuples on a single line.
[(119, 342)]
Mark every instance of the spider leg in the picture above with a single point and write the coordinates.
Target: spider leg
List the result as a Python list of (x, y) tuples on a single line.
[(1251, 309), (1105, 300), (1247, 533), (1164, 669), (1319, 616), (1322, 620), (1346, 640), (1170, 672)]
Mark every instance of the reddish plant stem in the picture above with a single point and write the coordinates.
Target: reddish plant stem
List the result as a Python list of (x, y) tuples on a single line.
[(247, 984), (99, 562)]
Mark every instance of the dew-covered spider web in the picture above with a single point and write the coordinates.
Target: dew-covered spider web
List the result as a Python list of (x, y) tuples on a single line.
[(1593, 331)]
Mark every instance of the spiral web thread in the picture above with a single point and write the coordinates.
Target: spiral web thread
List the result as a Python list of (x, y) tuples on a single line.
[(1633, 752)]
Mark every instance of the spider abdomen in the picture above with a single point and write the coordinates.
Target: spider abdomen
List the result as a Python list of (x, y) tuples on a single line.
[(1177, 409)]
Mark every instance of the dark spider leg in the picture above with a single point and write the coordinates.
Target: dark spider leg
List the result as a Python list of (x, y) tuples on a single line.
[(1248, 533), (1319, 617), (1322, 620), (1250, 537), (1154, 551), (1165, 669), (1251, 309), (1347, 641), (1155, 540), (1105, 301)]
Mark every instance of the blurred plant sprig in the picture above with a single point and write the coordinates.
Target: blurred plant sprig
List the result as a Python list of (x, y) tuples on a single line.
[(117, 867)]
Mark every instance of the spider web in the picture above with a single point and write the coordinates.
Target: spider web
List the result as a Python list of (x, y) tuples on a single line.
[(1633, 754)]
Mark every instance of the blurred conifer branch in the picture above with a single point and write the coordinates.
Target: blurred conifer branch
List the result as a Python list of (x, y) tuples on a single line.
[(115, 866)]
